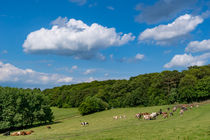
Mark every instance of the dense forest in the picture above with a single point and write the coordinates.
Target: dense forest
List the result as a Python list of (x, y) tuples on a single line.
[(20, 108), (166, 87)]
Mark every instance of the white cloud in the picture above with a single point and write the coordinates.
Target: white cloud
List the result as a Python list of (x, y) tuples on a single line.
[(89, 71), (79, 2), (73, 68), (110, 8), (13, 74), (60, 21), (196, 46), (139, 56), (74, 38), (90, 79), (136, 58), (106, 74), (111, 56), (181, 26), (187, 60)]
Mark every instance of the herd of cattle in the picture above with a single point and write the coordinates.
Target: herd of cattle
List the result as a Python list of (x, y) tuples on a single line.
[(21, 133), (145, 115), (166, 114), (169, 112)]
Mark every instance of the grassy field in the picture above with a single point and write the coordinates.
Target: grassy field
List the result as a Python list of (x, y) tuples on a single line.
[(193, 125)]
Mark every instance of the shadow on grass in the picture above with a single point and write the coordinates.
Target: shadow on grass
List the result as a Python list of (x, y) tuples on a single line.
[(28, 126)]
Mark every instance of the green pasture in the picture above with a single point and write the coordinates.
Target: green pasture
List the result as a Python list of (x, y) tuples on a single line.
[(193, 125)]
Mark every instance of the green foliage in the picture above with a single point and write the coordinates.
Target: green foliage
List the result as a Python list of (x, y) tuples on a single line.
[(162, 88), (203, 88), (23, 107), (91, 105)]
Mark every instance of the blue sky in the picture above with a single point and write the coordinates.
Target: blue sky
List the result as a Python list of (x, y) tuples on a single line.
[(46, 43)]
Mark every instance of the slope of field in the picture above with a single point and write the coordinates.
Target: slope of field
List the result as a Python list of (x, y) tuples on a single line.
[(193, 125)]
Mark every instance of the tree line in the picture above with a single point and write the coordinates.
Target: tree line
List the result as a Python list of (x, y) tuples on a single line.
[(20, 108), (166, 87)]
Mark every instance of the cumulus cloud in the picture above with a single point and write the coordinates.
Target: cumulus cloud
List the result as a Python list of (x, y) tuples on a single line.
[(89, 71), (163, 10), (181, 26), (196, 46), (13, 74), (74, 38), (186, 60)]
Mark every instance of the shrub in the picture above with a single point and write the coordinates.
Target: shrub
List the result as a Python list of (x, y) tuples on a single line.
[(91, 105)]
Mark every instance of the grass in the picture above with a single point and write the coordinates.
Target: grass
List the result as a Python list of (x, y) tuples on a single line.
[(193, 125)]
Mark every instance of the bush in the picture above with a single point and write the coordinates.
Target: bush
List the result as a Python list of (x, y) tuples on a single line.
[(91, 105)]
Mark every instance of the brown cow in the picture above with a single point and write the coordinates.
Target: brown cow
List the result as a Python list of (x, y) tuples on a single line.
[(49, 127), (14, 134), (165, 116)]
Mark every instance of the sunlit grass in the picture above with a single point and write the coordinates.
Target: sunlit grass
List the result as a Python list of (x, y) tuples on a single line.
[(194, 124)]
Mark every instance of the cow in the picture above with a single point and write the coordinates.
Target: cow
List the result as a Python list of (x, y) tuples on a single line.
[(84, 123), (6, 133), (48, 127), (138, 115), (153, 115), (115, 117), (181, 112), (147, 117), (29, 132), (174, 108), (168, 108), (15, 134), (165, 116), (160, 112), (171, 114)]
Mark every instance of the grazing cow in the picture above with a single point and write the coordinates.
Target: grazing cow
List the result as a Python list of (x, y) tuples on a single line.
[(153, 115), (174, 108), (184, 108), (6, 133), (160, 112), (165, 116), (164, 113), (84, 123), (171, 114), (138, 115), (168, 108), (48, 127), (145, 113), (147, 117), (115, 117), (181, 112)]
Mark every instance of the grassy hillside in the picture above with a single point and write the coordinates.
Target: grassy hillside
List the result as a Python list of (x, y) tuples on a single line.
[(194, 124)]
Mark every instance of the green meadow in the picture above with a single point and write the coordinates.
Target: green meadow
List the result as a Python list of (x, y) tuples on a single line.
[(193, 125)]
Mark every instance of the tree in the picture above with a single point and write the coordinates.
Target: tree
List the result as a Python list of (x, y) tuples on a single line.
[(91, 105)]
